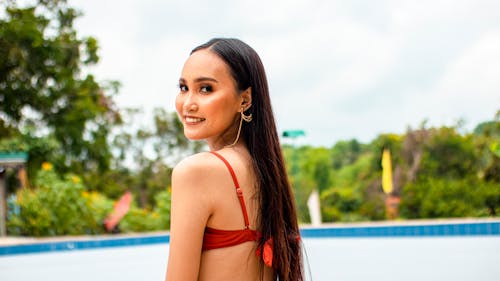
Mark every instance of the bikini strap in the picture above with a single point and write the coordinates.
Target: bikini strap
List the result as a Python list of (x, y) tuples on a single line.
[(239, 192)]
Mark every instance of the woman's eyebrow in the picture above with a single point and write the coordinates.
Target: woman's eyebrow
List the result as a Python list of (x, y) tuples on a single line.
[(198, 80), (204, 79)]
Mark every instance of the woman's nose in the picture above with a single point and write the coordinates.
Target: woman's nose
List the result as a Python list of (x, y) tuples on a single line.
[(190, 103), (193, 107)]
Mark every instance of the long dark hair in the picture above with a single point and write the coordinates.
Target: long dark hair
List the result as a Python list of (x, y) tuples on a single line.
[(278, 215)]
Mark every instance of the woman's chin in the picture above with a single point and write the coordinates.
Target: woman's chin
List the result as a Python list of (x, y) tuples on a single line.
[(193, 137)]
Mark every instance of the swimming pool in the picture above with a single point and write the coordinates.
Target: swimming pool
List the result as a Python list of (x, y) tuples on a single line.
[(455, 251)]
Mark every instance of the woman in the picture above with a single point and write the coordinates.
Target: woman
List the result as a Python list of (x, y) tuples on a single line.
[(233, 215)]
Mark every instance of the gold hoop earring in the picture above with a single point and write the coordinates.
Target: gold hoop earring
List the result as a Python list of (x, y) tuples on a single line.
[(248, 119)]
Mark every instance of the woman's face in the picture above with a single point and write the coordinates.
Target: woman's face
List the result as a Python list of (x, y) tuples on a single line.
[(208, 102)]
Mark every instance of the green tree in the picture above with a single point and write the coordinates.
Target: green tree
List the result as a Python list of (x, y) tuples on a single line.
[(43, 87), (393, 142), (449, 154), (350, 197), (442, 197), (487, 142), (345, 153)]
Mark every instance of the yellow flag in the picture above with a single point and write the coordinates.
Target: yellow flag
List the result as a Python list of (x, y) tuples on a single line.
[(386, 171)]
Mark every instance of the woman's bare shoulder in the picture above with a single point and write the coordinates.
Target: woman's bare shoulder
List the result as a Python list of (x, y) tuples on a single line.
[(195, 163), (201, 168)]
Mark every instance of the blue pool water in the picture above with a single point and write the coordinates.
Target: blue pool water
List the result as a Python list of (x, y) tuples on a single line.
[(436, 251)]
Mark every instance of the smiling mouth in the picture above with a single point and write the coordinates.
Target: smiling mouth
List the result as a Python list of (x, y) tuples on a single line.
[(193, 120)]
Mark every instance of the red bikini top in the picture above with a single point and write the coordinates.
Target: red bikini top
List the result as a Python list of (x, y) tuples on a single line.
[(218, 238)]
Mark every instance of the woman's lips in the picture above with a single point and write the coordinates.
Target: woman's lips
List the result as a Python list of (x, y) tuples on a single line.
[(193, 120)]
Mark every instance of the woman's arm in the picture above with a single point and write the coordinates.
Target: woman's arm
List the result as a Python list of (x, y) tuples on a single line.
[(190, 211)]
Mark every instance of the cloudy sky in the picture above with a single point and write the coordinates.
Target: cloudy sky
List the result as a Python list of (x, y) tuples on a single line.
[(337, 69)]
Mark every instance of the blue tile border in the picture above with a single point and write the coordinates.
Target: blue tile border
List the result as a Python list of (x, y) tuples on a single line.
[(91, 243), (448, 229), (414, 230)]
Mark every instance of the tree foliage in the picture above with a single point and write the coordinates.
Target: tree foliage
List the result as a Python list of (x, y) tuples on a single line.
[(45, 211), (45, 90), (65, 206), (437, 172)]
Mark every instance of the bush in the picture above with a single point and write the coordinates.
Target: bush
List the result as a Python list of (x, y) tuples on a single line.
[(341, 205), (138, 220), (442, 198), (373, 208), (55, 207), (490, 198), (99, 205), (64, 207), (163, 200)]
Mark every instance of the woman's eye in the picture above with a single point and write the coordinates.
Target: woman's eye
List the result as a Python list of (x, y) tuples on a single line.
[(206, 89), (183, 88)]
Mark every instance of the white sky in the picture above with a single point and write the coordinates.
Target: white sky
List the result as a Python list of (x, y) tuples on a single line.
[(337, 69)]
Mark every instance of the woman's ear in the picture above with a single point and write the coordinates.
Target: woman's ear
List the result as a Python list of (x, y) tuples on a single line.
[(246, 99)]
